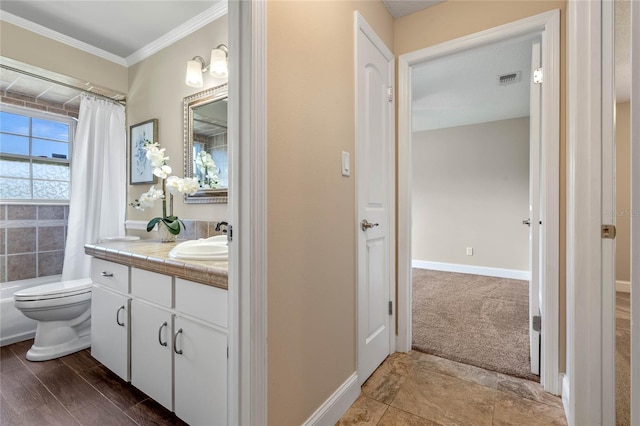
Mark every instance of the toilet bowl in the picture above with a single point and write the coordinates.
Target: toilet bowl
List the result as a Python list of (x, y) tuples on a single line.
[(63, 313)]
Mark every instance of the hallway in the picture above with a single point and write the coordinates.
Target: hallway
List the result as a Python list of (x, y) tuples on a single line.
[(421, 389)]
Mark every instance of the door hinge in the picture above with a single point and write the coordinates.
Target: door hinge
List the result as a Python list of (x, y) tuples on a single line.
[(537, 323), (609, 231), (390, 93), (390, 307), (227, 352), (229, 233), (538, 76)]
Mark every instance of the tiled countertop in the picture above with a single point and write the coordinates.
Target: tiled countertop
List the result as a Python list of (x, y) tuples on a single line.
[(153, 256)]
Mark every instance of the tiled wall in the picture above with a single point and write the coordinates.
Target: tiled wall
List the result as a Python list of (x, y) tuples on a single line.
[(32, 240), (195, 229), (18, 99)]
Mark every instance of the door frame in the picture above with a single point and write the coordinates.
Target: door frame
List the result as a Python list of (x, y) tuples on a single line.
[(361, 25), (547, 24), (247, 401)]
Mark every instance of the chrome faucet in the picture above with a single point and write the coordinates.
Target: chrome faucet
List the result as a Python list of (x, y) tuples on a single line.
[(220, 224)]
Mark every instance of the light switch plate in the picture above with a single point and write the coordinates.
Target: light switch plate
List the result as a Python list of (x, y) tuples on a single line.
[(346, 164)]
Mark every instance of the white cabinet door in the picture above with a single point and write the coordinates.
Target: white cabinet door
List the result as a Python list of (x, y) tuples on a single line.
[(151, 351), (200, 380), (110, 330)]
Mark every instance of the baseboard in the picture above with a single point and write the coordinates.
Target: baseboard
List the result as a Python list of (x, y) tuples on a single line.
[(623, 286), (21, 337), (337, 404), (514, 274), (566, 398)]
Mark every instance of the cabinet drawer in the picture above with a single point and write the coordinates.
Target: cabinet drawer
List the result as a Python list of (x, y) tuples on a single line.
[(109, 274), (202, 301), (152, 286)]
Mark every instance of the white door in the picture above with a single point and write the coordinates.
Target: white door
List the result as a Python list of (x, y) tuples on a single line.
[(374, 168), (534, 210)]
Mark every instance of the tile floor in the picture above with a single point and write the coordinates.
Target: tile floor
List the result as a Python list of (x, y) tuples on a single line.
[(421, 389), (73, 390)]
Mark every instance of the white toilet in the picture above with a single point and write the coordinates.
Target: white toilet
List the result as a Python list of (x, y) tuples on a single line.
[(63, 313)]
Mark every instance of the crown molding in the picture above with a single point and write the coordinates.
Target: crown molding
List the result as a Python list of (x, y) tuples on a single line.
[(214, 12), (59, 37)]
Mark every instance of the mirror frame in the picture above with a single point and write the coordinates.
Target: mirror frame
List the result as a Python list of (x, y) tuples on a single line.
[(204, 97)]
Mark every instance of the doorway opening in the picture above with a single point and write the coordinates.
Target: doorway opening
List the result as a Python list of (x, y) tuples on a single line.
[(545, 28), (475, 189)]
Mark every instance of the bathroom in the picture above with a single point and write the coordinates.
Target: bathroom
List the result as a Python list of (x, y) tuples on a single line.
[(154, 89)]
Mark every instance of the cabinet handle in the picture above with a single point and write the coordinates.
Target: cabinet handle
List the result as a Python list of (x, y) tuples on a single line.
[(121, 308), (106, 274), (160, 334), (175, 347)]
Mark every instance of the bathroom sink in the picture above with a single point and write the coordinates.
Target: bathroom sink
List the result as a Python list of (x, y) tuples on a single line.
[(213, 248)]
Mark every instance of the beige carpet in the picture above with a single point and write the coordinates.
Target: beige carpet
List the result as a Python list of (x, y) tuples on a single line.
[(477, 320)]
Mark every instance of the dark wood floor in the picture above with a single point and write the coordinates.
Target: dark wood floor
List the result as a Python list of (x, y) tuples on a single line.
[(73, 390)]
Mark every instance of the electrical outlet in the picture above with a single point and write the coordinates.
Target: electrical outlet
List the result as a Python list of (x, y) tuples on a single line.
[(469, 251)]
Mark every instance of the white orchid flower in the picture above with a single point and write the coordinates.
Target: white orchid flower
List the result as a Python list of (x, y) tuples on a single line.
[(155, 155), (162, 172), (189, 186), (148, 199)]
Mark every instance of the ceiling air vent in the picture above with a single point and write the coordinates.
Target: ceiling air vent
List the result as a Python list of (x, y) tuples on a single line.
[(510, 78)]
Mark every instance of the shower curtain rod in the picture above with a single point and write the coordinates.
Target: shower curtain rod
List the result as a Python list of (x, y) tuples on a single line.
[(70, 86)]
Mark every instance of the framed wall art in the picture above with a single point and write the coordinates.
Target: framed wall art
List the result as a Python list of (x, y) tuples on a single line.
[(140, 170)]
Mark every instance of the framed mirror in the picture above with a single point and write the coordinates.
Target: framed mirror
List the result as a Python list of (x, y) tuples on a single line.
[(205, 144)]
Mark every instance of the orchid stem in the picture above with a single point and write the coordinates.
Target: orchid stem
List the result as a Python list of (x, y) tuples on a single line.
[(164, 200)]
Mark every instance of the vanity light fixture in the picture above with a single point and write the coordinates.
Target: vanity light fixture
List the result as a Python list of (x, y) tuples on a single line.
[(217, 67)]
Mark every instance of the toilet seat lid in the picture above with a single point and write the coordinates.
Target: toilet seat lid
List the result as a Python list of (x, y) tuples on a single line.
[(55, 290)]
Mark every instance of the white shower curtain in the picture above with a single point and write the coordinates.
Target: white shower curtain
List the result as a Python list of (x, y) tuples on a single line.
[(98, 182)]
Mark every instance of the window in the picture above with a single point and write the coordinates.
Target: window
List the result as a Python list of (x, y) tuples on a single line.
[(35, 153)]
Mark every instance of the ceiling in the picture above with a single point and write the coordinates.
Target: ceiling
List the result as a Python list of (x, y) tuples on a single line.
[(121, 30), (463, 88), (400, 8)]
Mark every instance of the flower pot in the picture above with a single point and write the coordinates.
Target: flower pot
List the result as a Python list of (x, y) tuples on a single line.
[(165, 235)]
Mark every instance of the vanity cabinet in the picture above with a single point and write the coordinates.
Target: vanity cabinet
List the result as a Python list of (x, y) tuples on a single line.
[(110, 308), (175, 340), (200, 353), (151, 351)]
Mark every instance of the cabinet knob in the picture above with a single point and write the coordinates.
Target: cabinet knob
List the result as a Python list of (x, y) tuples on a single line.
[(121, 324), (160, 334), (106, 274), (175, 346)]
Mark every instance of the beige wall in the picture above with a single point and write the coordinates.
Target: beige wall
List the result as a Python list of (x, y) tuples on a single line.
[(470, 188), (156, 90), (457, 18), (311, 207), (623, 192), (33, 49)]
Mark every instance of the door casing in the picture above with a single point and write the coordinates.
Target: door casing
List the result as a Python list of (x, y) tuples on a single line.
[(548, 25)]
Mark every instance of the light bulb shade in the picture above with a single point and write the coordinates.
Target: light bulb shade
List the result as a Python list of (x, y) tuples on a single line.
[(194, 74), (218, 67)]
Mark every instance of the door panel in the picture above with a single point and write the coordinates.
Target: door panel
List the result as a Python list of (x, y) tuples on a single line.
[(374, 164), (110, 330)]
